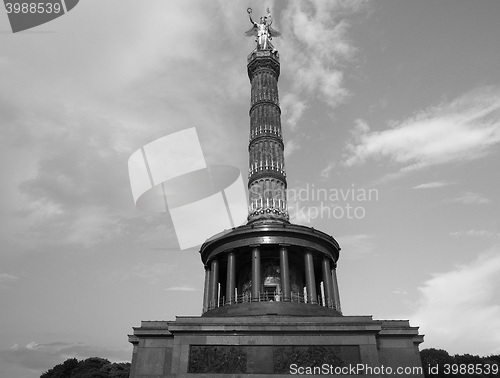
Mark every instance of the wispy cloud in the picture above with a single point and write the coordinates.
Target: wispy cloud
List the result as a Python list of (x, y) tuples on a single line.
[(181, 288), (293, 107), (150, 273), (475, 234), (356, 245), (456, 310), (464, 129), (315, 38), (433, 185), (320, 42), (470, 198), (400, 292), (325, 172), (290, 147), (6, 277)]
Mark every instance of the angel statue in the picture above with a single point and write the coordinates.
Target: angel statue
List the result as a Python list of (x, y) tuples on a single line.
[(263, 31)]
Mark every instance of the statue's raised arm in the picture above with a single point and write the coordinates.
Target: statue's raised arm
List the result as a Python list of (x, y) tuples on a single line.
[(263, 31), (249, 11)]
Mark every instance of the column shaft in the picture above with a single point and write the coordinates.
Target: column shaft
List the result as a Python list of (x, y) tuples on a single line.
[(336, 289), (214, 284), (255, 274), (206, 291), (231, 277), (284, 274), (328, 282), (310, 279)]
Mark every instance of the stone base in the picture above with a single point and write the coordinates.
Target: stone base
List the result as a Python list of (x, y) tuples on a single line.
[(274, 345)]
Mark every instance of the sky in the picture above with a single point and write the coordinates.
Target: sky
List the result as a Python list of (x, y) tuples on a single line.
[(391, 121)]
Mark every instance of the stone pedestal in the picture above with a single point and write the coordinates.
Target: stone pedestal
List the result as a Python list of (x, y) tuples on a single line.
[(274, 345)]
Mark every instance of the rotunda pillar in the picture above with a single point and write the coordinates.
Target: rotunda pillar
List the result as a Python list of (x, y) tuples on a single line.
[(336, 288), (214, 284), (255, 273), (310, 278), (328, 282), (231, 277), (206, 289), (284, 274)]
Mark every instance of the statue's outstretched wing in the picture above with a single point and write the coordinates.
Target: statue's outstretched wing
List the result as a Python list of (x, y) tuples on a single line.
[(252, 32), (274, 32)]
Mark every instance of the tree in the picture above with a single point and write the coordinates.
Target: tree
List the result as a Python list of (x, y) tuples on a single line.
[(63, 370), (93, 367), (435, 357), (117, 370), (437, 362)]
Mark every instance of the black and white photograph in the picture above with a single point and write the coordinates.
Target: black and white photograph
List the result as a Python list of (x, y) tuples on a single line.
[(249, 188)]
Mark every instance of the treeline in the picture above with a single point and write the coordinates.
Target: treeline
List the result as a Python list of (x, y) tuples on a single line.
[(93, 367), (437, 363)]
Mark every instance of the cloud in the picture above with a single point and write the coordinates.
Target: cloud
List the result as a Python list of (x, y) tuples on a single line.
[(157, 232), (292, 108), (75, 191), (464, 129), (69, 136), (291, 146), (181, 288), (459, 311), (68, 139), (432, 185), (315, 34), (6, 277), (325, 172), (400, 292), (356, 245), (470, 198), (150, 273), (475, 234)]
